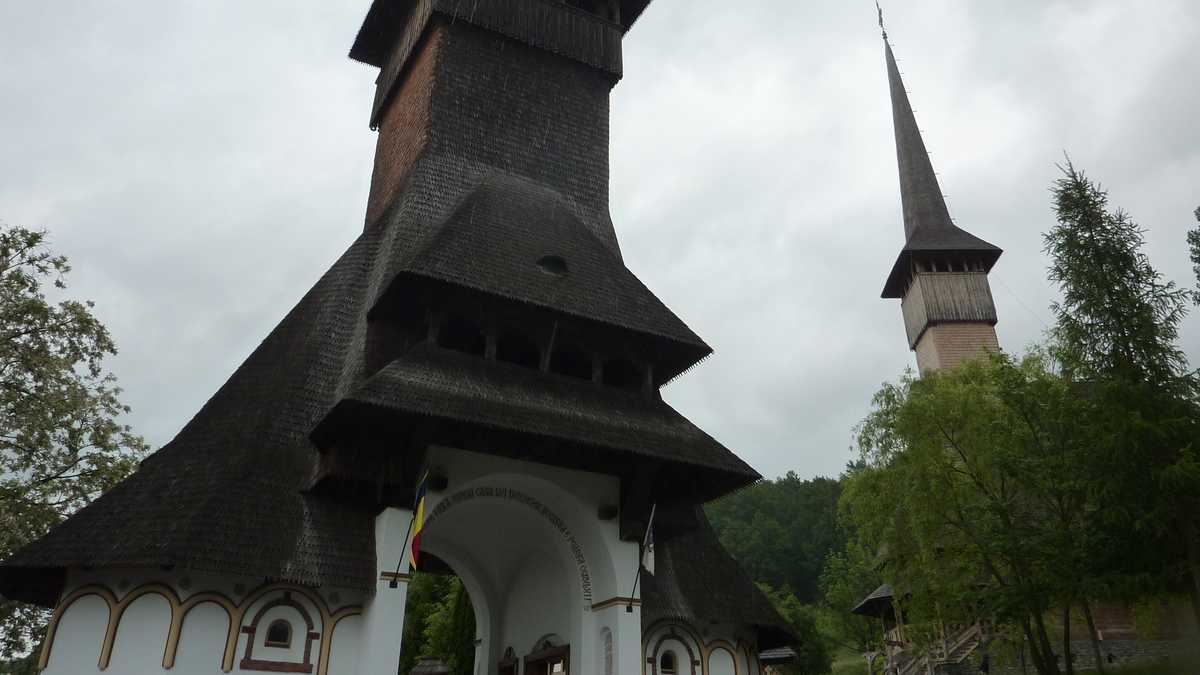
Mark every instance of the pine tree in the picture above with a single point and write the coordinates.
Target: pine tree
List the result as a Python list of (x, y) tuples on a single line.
[(1116, 332), (1193, 240), (1117, 316)]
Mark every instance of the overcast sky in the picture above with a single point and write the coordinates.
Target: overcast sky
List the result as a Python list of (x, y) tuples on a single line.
[(203, 162)]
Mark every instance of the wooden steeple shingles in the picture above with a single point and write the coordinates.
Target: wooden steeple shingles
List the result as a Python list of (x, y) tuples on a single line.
[(928, 228)]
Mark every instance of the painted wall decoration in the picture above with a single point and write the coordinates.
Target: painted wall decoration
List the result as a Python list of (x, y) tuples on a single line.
[(207, 618), (694, 654)]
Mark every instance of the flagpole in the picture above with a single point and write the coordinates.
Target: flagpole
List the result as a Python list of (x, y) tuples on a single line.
[(404, 549), (641, 553), (394, 583)]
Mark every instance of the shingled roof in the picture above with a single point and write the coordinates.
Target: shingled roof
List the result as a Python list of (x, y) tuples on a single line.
[(877, 603), (696, 580), (497, 234), (928, 228), (224, 496), (460, 388), (384, 18)]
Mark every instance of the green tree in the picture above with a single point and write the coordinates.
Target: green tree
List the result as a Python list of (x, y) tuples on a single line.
[(814, 657), (61, 440), (426, 592), (450, 630), (1117, 316), (1117, 329), (26, 665), (782, 530), (1193, 240), (977, 486), (849, 576), (439, 622)]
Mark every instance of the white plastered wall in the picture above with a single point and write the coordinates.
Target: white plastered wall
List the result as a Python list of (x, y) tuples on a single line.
[(135, 621), (537, 559), (566, 572)]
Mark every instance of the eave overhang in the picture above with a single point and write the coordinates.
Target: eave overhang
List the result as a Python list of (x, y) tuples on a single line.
[(897, 279), (527, 414), (386, 18)]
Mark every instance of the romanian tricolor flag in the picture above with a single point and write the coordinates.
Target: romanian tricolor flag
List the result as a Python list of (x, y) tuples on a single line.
[(418, 521)]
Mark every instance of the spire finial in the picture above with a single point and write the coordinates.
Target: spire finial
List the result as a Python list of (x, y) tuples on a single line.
[(881, 28)]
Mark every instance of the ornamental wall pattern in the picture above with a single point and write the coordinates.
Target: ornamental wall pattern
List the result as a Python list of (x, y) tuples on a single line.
[(313, 633), (312, 622), (695, 653)]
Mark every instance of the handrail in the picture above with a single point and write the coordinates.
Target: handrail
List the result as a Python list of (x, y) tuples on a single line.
[(972, 632)]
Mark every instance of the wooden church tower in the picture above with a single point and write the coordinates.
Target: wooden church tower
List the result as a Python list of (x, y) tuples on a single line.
[(941, 278), (941, 273), (479, 367)]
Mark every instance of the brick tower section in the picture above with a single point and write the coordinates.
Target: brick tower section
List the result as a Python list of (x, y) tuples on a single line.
[(949, 315), (948, 345)]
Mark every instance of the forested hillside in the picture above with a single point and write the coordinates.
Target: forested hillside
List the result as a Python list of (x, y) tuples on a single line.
[(782, 530), (787, 535)]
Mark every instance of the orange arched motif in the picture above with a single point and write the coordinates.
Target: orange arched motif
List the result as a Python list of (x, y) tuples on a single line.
[(52, 628), (179, 610), (725, 646), (118, 611), (672, 629)]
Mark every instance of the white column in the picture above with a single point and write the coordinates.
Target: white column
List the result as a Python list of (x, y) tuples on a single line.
[(627, 638), (383, 614)]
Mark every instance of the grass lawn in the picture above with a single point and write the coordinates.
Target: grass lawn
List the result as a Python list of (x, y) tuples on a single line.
[(848, 663), (1164, 669)]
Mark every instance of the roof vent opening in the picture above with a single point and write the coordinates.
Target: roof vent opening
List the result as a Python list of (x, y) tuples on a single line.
[(552, 264), (572, 362)]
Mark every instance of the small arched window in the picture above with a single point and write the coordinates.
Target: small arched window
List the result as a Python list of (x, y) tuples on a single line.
[(279, 634), (666, 663)]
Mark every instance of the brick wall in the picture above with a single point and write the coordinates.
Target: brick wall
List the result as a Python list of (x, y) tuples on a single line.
[(946, 345), (404, 127)]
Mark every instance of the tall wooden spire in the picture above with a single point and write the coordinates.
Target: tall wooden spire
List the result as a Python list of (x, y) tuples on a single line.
[(920, 194), (941, 272)]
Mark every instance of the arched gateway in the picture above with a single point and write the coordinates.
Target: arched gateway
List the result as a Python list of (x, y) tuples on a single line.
[(482, 332)]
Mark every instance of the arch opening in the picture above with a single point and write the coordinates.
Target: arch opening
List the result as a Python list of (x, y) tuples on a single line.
[(440, 620), (517, 535)]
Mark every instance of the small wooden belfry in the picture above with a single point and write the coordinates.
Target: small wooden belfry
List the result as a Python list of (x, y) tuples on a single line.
[(481, 336)]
